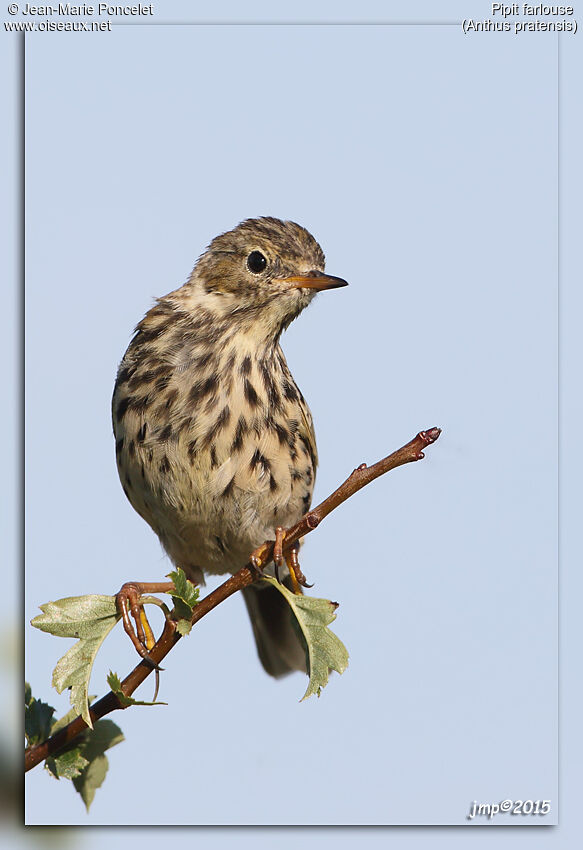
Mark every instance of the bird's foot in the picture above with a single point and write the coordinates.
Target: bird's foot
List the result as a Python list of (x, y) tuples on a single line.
[(130, 601), (259, 558), (262, 555), (293, 565)]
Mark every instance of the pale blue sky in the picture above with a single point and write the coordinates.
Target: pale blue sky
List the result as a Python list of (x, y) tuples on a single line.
[(425, 163)]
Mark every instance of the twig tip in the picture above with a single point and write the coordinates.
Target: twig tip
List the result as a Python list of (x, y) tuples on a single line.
[(430, 436)]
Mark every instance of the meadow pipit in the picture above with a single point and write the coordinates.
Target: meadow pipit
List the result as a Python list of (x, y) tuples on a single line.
[(214, 441)]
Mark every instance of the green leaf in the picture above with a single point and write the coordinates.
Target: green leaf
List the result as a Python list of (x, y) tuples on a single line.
[(183, 588), (185, 597), (326, 651), (106, 734), (85, 762), (183, 624), (70, 762), (38, 718), (91, 779), (67, 765), (90, 619), (114, 683)]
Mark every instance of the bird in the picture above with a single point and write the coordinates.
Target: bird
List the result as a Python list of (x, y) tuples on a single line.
[(214, 441)]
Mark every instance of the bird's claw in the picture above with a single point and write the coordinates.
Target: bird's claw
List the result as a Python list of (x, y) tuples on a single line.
[(293, 564), (130, 602)]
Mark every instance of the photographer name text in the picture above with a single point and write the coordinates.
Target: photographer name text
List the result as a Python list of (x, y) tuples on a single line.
[(86, 11)]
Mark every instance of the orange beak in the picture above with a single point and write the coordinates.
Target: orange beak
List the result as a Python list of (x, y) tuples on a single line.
[(315, 280)]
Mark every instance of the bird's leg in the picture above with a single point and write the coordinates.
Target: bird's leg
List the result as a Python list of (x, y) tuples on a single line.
[(259, 560), (293, 565), (130, 600), (278, 551), (260, 557)]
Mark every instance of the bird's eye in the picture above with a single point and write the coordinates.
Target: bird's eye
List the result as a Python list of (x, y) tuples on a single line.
[(256, 262)]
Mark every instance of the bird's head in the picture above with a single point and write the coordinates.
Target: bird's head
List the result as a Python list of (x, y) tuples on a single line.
[(261, 274)]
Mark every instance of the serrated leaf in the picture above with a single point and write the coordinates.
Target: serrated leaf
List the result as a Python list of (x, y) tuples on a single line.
[(71, 762), (183, 588), (38, 719), (90, 619), (185, 597), (77, 616), (183, 624), (115, 684), (326, 651), (105, 735), (85, 762), (91, 779), (68, 765)]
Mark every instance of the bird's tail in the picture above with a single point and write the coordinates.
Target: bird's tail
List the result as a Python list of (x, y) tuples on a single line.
[(280, 645)]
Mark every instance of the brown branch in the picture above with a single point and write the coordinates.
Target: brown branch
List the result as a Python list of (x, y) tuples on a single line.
[(248, 574)]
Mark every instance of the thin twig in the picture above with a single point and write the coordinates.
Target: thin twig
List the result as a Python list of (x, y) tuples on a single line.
[(248, 574)]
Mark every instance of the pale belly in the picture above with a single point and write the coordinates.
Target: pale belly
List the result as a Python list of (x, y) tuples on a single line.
[(211, 511)]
